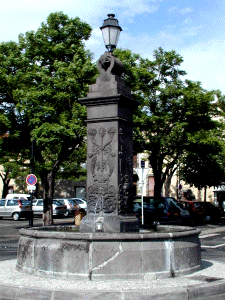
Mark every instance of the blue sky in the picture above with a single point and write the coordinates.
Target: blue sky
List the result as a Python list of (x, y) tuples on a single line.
[(193, 28)]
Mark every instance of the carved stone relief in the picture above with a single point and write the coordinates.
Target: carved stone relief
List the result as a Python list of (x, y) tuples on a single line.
[(101, 159), (125, 170)]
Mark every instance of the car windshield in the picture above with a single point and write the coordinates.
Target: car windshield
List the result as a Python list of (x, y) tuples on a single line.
[(173, 203), (80, 201), (56, 202), (73, 202), (24, 202), (61, 201), (2, 202), (153, 203)]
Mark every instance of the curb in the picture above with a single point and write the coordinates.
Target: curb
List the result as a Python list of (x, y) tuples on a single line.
[(209, 292)]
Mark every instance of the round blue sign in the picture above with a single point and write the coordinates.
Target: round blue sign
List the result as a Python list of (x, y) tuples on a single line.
[(31, 179)]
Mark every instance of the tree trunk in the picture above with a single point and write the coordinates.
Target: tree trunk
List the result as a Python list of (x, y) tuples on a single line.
[(48, 194), (5, 187), (167, 185), (168, 180), (158, 184), (205, 193), (158, 189), (157, 171)]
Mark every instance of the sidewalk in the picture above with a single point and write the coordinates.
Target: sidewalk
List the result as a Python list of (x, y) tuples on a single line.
[(206, 284)]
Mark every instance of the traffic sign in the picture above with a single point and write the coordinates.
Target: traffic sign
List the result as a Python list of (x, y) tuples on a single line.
[(31, 187), (142, 164), (31, 179)]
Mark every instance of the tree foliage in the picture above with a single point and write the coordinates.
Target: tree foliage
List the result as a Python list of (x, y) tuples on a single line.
[(174, 114), (15, 138), (55, 71)]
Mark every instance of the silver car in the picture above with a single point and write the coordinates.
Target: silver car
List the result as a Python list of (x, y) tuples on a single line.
[(58, 209), (14, 208), (71, 205), (82, 203)]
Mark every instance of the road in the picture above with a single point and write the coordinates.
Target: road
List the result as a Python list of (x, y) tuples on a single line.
[(212, 238), (9, 234), (213, 242)]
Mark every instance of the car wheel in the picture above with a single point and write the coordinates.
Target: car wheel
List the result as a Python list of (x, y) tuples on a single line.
[(16, 216), (207, 218)]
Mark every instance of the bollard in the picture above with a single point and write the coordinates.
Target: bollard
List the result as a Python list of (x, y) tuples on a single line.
[(78, 217)]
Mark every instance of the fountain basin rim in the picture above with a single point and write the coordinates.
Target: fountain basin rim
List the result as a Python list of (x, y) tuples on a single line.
[(59, 232)]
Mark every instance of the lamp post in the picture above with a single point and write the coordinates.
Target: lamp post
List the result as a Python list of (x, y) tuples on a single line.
[(111, 32)]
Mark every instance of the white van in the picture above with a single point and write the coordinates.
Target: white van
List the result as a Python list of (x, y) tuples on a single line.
[(18, 196)]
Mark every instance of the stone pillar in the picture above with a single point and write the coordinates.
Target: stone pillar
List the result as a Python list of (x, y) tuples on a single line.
[(109, 151)]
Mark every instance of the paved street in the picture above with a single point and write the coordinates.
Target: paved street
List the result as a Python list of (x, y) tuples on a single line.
[(9, 234), (213, 242)]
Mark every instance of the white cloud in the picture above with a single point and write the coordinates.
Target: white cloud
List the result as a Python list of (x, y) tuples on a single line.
[(200, 60), (189, 31), (202, 64), (182, 11), (188, 21), (186, 10), (172, 9), (89, 8), (28, 14)]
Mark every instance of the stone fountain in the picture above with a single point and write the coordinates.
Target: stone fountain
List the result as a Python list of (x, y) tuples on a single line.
[(108, 244)]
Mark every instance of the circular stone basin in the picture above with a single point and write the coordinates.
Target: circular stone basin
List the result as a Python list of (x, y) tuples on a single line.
[(64, 251)]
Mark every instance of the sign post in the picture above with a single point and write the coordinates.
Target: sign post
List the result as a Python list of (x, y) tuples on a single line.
[(31, 181), (142, 191)]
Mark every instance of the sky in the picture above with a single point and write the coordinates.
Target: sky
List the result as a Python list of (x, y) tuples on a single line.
[(195, 29)]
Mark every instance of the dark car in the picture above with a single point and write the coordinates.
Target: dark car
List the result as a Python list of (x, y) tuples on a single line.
[(212, 213), (202, 212), (163, 210), (195, 210)]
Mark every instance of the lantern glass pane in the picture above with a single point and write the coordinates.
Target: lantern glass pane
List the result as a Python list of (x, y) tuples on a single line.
[(105, 34), (114, 36)]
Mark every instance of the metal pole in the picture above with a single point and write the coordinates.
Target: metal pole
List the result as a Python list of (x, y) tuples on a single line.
[(142, 202), (31, 192), (142, 191), (31, 210)]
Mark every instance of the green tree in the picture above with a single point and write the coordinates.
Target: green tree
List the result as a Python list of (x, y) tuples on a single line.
[(204, 167), (172, 110), (203, 162), (58, 73), (14, 136)]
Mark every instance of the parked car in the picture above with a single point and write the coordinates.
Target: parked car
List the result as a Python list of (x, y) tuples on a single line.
[(202, 212), (58, 209), (163, 210), (71, 205), (18, 196), (82, 203), (14, 208), (196, 211), (212, 213)]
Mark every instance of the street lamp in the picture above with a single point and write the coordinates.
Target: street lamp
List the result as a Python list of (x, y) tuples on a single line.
[(111, 32)]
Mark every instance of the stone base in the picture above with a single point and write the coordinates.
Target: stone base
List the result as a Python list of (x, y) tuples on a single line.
[(109, 223), (61, 251)]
